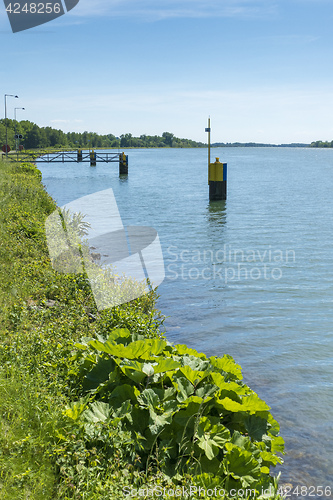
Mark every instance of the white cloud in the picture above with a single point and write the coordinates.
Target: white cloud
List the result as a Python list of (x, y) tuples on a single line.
[(65, 121), (151, 10)]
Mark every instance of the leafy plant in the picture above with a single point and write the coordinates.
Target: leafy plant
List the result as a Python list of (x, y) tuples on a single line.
[(185, 411)]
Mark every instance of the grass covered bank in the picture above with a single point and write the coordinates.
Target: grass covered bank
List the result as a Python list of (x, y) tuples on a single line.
[(98, 405)]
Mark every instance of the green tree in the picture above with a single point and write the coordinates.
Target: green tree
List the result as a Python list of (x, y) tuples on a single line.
[(168, 138), (126, 140), (33, 138)]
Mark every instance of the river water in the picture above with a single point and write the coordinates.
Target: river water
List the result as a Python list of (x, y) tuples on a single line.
[(251, 276)]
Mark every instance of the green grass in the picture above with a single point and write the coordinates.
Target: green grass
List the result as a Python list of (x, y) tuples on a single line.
[(27, 471), (43, 314)]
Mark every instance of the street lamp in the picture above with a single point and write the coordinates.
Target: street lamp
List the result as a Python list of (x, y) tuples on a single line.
[(16, 141), (7, 95)]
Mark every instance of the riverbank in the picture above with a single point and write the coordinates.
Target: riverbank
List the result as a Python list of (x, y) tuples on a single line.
[(43, 314), (49, 447)]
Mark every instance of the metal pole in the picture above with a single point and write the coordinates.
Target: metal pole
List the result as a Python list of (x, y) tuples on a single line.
[(208, 141), (7, 95), (17, 139), (15, 130), (6, 124), (208, 130)]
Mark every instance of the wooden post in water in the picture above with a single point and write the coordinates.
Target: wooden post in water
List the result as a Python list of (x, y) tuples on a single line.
[(93, 158), (123, 164), (79, 155), (217, 175)]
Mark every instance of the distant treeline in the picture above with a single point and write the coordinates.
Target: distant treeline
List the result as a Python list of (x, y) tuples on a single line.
[(35, 137), (43, 137), (257, 145), (321, 144)]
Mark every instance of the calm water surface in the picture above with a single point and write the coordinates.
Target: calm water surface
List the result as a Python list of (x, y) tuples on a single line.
[(251, 277)]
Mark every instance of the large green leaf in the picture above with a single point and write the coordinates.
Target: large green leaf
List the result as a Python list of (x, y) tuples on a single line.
[(208, 445), (188, 415), (197, 364), (221, 434), (228, 387), (274, 428), (277, 444), (148, 369), (229, 405), (241, 465), (211, 436), (241, 441), (206, 391), (118, 335), (255, 426), (98, 412), (145, 349), (102, 346), (183, 349), (75, 410), (209, 466), (270, 459), (100, 373), (184, 388), (125, 411), (158, 422), (165, 365), (227, 365), (250, 404), (124, 392), (253, 404), (148, 398), (170, 406), (168, 393), (140, 419), (197, 399), (194, 376), (132, 369)]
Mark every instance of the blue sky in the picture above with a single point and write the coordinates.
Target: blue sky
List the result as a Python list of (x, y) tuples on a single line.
[(262, 69)]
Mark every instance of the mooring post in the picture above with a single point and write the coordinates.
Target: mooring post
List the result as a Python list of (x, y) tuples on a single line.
[(217, 175), (217, 179), (92, 158), (79, 155), (123, 164)]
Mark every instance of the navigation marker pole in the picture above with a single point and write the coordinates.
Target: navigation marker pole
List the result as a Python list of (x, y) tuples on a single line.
[(208, 129), (217, 175)]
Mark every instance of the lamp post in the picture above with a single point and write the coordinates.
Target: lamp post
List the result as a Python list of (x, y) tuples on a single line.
[(7, 95), (16, 140)]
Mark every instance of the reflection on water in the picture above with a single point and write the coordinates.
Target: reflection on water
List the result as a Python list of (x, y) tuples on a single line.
[(217, 212)]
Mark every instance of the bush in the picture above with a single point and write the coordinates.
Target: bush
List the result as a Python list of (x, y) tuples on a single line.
[(181, 411)]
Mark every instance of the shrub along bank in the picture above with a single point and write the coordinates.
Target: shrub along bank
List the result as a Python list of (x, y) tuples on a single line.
[(99, 405)]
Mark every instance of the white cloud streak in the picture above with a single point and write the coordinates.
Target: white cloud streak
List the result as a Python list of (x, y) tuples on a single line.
[(150, 10)]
